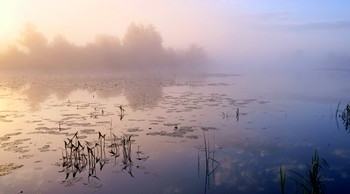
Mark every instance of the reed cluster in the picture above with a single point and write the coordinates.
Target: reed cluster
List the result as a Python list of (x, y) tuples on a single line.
[(78, 157), (313, 181)]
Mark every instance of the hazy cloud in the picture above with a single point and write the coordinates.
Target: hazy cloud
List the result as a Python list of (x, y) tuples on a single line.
[(316, 25)]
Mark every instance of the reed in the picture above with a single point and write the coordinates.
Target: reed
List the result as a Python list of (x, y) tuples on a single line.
[(210, 163), (344, 115), (282, 180), (77, 159), (313, 180)]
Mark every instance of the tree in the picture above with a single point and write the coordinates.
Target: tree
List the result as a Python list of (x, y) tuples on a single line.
[(62, 53), (140, 37), (143, 46), (34, 41)]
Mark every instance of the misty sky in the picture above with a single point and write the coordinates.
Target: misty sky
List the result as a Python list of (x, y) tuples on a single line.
[(225, 28)]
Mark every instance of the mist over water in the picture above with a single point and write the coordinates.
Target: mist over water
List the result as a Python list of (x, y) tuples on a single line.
[(174, 96)]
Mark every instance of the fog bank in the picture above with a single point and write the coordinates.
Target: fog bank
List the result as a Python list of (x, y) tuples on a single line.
[(141, 49)]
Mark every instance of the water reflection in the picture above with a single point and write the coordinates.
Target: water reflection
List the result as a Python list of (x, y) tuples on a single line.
[(344, 116), (139, 91), (211, 164), (90, 157), (126, 125)]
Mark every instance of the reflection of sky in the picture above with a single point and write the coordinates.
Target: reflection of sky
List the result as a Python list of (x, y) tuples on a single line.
[(271, 131)]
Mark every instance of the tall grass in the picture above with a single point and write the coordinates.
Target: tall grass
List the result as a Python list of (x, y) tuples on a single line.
[(312, 182)]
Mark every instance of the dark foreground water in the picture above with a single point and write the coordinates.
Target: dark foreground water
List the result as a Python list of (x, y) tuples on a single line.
[(212, 133)]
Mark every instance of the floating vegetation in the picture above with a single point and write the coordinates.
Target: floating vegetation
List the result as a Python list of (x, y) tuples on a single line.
[(192, 136), (88, 131), (26, 156), (136, 129), (170, 134), (208, 128), (14, 146), (218, 84), (4, 138), (177, 115), (13, 134), (176, 131), (171, 124), (45, 148), (49, 130), (6, 169)]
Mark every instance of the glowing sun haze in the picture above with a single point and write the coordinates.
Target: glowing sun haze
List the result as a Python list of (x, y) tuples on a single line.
[(81, 20), (234, 28)]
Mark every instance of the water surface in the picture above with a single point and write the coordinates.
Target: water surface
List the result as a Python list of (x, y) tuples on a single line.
[(208, 133)]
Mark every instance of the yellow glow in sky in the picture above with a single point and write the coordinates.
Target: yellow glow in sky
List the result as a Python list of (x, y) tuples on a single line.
[(222, 26), (80, 20), (8, 20)]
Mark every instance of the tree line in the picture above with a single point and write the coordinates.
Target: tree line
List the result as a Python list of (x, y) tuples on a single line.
[(140, 48)]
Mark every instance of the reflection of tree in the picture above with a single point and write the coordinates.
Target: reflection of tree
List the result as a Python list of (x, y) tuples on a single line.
[(38, 90), (344, 115), (143, 92), (139, 92), (35, 95)]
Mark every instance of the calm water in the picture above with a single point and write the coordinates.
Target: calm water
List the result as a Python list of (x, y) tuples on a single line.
[(199, 134)]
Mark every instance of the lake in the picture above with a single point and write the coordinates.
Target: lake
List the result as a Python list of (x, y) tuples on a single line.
[(199, 133)]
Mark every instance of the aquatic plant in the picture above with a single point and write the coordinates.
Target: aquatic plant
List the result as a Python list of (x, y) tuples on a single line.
[(139, 153), (210, 163), (114, 147), (126, 152), (282, 180), (74, 159), (344, 115), (313, 180), (122, 112), (77, 159)]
